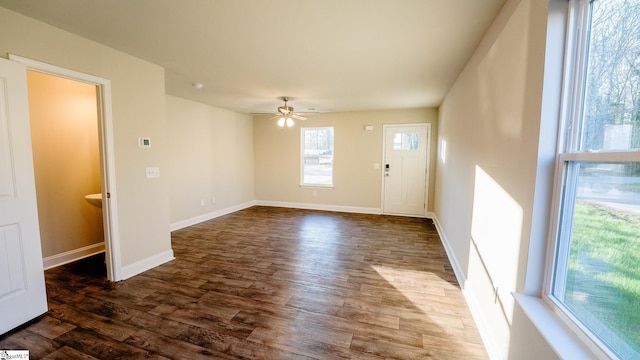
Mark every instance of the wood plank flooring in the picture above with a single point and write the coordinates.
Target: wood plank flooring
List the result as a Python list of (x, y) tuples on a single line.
[(266, 283)]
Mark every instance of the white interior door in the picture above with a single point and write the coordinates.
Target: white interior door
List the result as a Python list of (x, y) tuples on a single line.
[(405, 169), (22, 288)]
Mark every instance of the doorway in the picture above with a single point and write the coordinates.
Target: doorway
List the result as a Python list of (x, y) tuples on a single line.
[(102, 106), (66, 161), (406, 167)]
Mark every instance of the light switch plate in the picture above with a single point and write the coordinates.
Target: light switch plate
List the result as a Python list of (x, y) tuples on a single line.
[(153, 172)]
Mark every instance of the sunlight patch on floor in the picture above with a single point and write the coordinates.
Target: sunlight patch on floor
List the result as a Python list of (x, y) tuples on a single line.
[(418, 288)]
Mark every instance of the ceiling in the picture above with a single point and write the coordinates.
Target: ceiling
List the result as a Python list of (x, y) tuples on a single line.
[(327, 55)]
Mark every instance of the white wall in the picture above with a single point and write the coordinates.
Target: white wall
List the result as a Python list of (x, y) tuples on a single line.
[(357, 185), (211, 156), (138, 98), (490, 125)]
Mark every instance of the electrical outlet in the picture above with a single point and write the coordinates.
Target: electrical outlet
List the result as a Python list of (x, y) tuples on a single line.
[(153, 172), (213, 199)]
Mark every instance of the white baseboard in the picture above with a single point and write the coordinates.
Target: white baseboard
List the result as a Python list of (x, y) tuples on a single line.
[(457, 270), (306, 206), (208, 216), (322, 207), (72, 255), (472, 301), (146, 264), (482, 324)]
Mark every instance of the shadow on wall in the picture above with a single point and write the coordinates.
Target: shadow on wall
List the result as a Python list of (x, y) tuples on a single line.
[(496, 230)]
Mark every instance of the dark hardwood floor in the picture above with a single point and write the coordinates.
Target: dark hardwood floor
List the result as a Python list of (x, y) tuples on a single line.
[(266, 283)]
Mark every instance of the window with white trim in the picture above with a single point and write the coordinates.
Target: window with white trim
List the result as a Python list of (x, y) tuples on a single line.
[(594, 282), (316, 168)]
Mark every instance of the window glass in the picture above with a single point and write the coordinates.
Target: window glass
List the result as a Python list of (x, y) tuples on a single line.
[(317, 156), (600, 283), (612, 93), (405, 141), (596, 264)]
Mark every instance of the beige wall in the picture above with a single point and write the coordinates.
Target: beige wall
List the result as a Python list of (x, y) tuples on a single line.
[(211, 156), (490, 122), (356, 183), (138, 110), (64, 136)]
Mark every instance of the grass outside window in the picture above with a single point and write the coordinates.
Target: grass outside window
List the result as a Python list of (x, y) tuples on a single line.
[(603, 280)]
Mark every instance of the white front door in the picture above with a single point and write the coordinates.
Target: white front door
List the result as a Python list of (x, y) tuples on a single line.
[(22, 289), (405, 169)]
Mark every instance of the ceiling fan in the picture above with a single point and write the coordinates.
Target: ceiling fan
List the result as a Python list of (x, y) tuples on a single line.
[(286, 114)]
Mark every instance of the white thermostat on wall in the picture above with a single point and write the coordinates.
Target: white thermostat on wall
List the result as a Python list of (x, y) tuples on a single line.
[(144, 142)]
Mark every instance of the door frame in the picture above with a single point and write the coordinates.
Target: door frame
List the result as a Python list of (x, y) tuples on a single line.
[(385, 127), (107, 156)]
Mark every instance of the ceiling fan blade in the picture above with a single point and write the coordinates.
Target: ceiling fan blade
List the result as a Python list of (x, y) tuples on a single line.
[(298, 117)]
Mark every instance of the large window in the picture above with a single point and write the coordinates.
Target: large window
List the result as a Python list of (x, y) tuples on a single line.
[(595, 278), (316, 156)]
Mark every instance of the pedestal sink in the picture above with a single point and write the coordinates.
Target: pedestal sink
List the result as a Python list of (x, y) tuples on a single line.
[(94, 199)]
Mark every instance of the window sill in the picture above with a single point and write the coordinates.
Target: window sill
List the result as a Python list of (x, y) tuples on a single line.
[(309, 186), (563, 342)]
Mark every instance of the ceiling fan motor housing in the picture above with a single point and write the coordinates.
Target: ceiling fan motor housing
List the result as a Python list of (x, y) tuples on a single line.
[(285, 109)]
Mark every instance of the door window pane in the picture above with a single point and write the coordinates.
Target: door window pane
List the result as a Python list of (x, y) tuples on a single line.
[(405, 141)]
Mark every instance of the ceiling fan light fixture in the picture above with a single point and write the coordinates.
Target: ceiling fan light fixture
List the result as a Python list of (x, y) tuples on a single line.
[(286, 114)]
